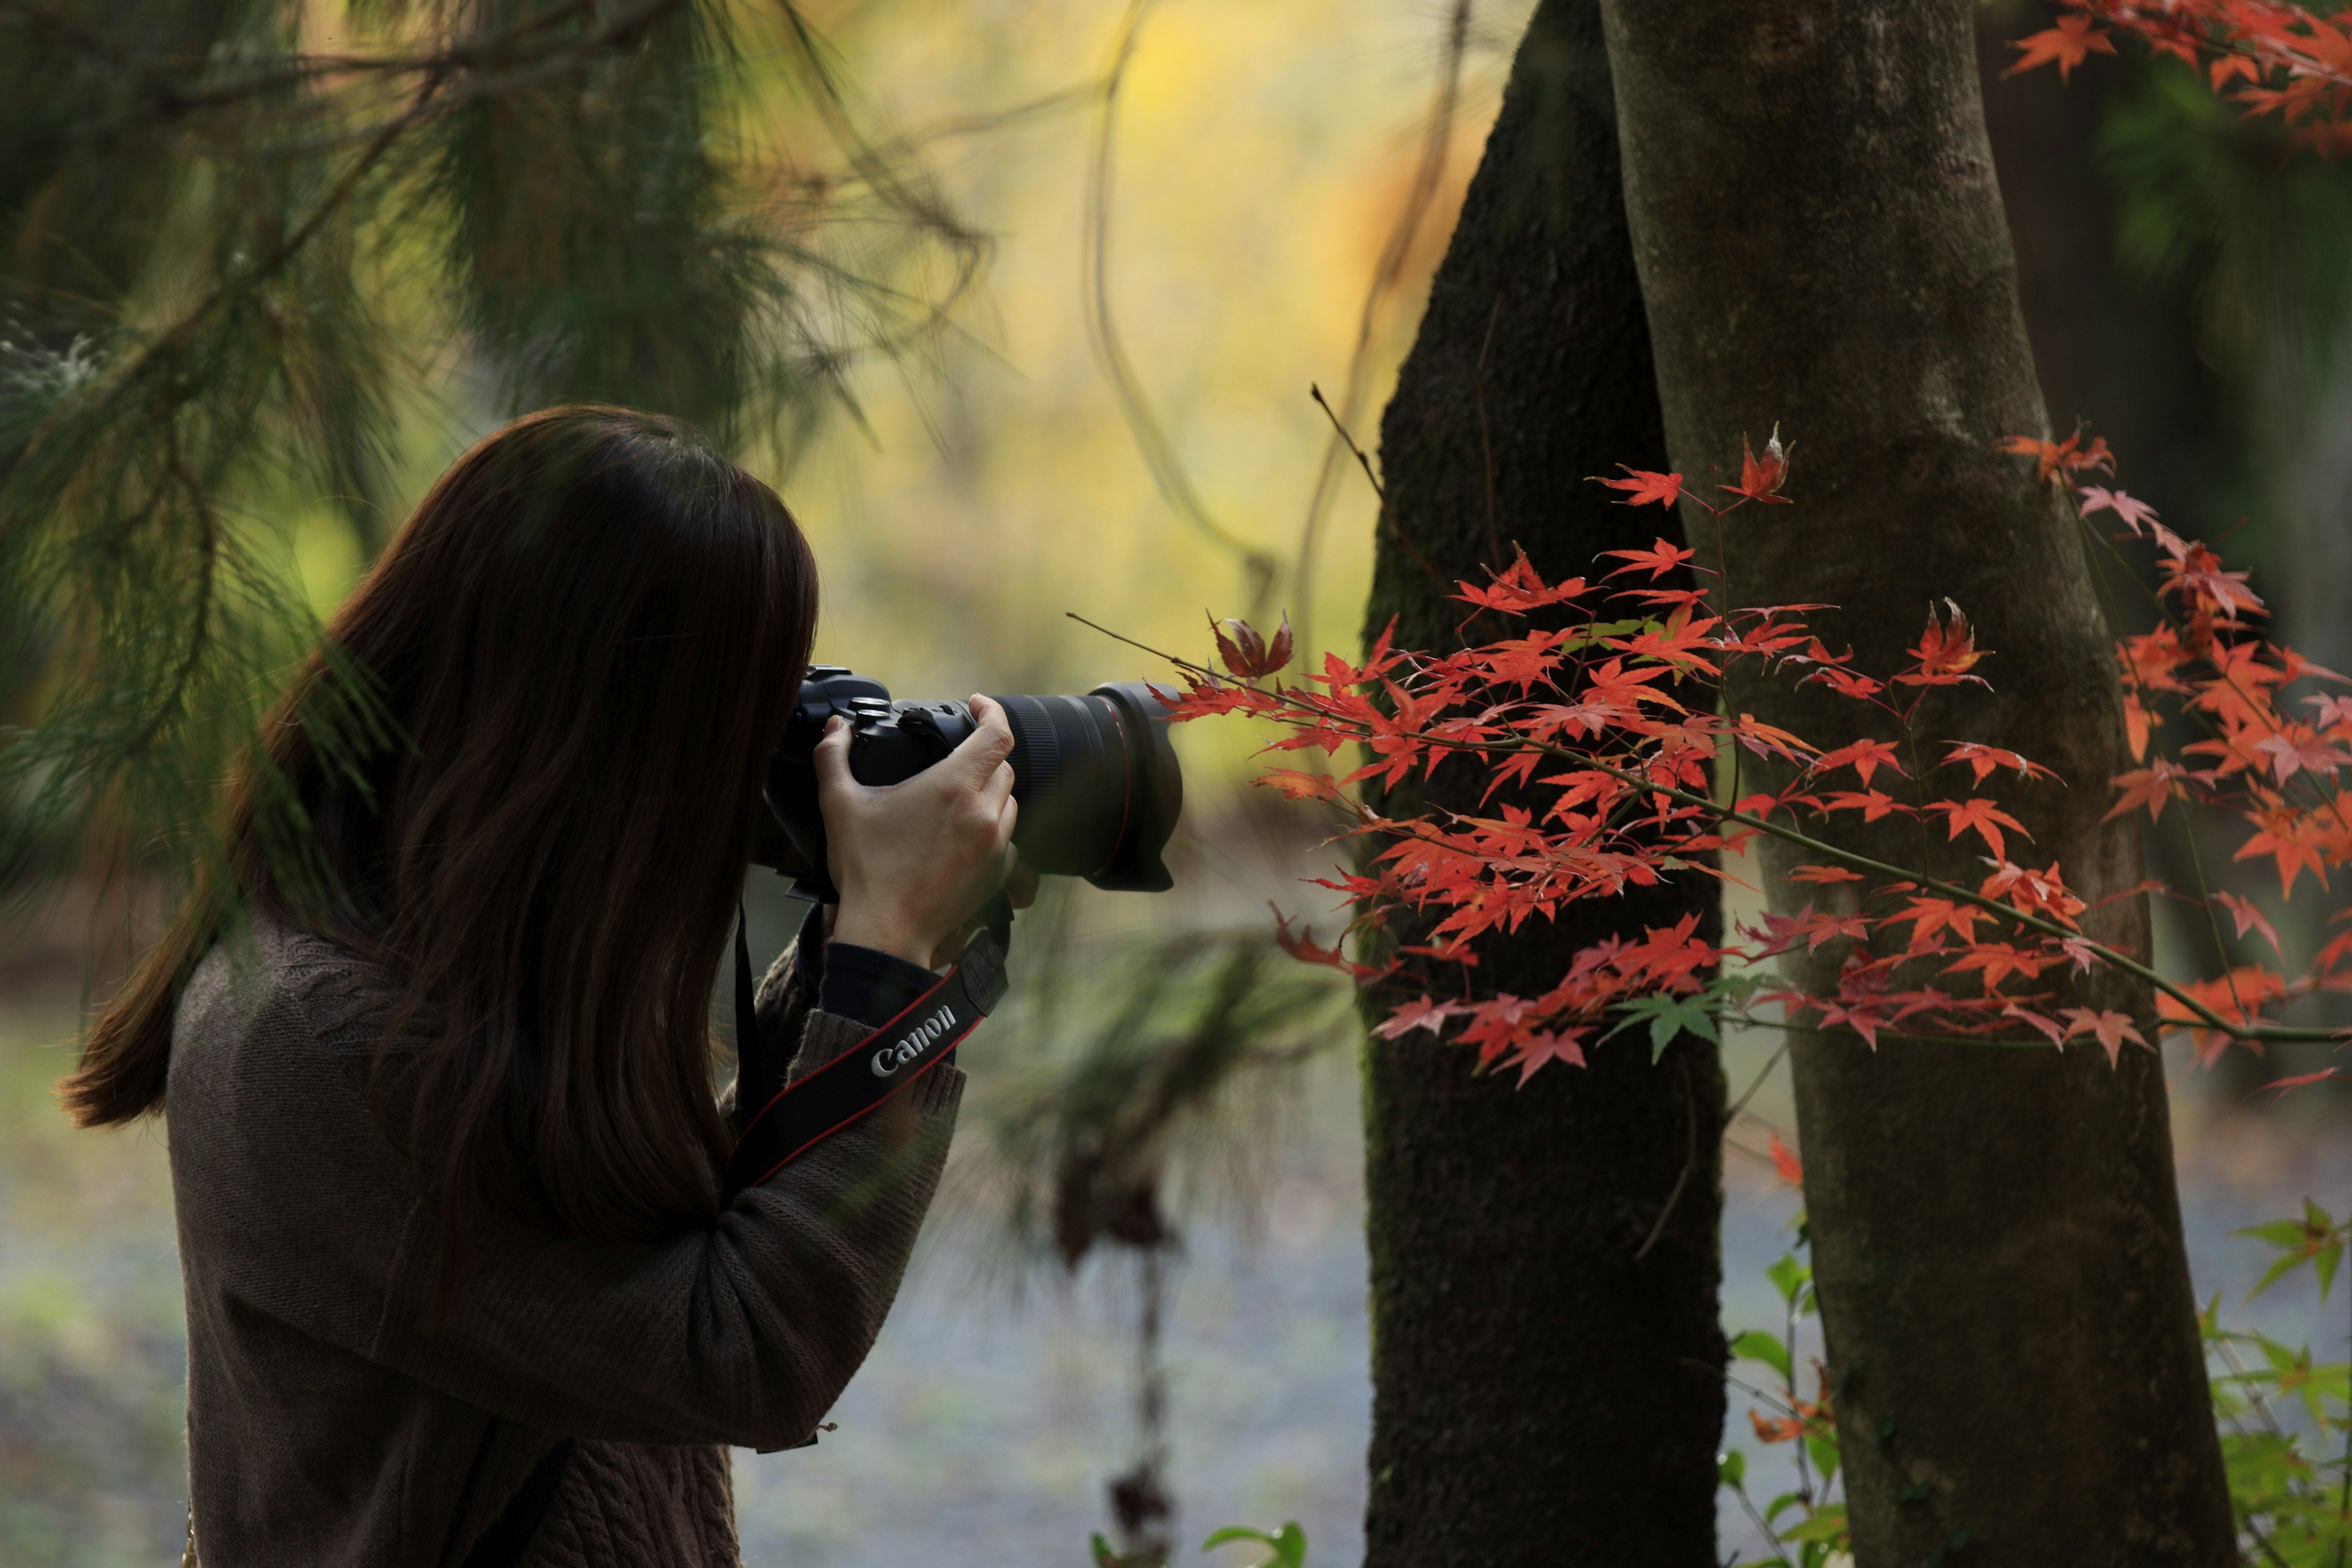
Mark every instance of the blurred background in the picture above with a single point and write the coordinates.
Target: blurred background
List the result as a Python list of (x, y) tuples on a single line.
[(1115, 421)]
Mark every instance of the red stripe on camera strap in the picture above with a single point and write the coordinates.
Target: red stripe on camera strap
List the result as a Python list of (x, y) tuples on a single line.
[(878, 1068)]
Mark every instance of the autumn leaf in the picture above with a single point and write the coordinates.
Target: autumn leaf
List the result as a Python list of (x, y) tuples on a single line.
[(2291, 839), (1546, 1045), (1864, 757), (1946, 652), (1823, 875), (2247, 918), (1645, 487), (2073, 40), (2134, 513), (1660, 558), (1983, 759), (1761, 479), (2110, 1028), (1245, 653), (1299, 786), (1785, 1164), (2054, 458), (1421, 1015), (2150, 787), (1981, 814)]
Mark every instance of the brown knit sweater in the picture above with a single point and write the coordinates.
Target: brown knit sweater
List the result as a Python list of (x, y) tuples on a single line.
[(331, 1421)]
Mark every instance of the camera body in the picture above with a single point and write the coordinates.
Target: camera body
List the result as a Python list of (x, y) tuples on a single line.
[(1097, 782)]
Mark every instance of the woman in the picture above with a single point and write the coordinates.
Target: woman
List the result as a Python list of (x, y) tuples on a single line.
[(462, 1287)]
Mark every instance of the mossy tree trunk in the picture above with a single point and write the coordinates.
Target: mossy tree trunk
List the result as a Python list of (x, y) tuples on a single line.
[(1545, 1392), (1996, 1233)]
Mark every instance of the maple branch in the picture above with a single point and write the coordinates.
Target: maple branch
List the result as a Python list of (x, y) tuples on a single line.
[(2207, 1017)]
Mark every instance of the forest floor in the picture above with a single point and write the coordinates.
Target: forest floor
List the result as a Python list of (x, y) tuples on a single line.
[(1000, 1398)]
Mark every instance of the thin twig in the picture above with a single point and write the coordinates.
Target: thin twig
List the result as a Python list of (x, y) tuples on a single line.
[(1396, 529)]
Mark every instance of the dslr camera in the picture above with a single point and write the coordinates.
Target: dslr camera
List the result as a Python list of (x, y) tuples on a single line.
[(1098, 781)]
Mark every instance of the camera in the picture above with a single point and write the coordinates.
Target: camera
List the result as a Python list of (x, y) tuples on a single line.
[(1097, 780)]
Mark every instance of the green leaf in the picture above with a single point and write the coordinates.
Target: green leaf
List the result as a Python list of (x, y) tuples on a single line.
[(1822, 1447), (2284, 1264), (1825, 1523), (2277, 1233), (1289, 1543), (1668, 1016), (2329, 1257), (1790, 1276), (1785, 1501), (1757, 1345), (1104, 1556), (1731, 1469)]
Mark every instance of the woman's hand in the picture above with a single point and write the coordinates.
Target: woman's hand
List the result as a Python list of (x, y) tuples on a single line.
[(917, 862)]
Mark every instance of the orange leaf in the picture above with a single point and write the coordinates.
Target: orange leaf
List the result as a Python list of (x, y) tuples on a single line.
[(2073, 40), (1981, 814), (1785, 1164), (1947, 651), (1760, 481), (1647, 487)]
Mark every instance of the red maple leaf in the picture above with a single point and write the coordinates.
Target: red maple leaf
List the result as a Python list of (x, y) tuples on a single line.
[(1946, 652), (1245, 653), (2149, 786), (1647, 487), (1547, 1045), (1823, 875), (1423, 1014), (2291, 839), (2073, 40), (1660, 558), (1864, 757), (1982, 760), (2136, 513), (1932, 915), (1784, 1163), (2111, 1028), (2249, 918), (1872, 803), (1981, 815), (1761, 479)]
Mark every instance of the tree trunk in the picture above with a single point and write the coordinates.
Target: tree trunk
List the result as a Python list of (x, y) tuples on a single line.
[(1996, 1233), (1544, 1391)]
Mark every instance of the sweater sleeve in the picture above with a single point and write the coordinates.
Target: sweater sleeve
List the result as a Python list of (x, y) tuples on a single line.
[(742, 1331)]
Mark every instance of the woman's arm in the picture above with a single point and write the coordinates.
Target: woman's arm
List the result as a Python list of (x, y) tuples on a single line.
[(741, 1332)]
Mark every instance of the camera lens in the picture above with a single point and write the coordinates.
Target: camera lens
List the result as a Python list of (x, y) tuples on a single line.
[(1098, 785)]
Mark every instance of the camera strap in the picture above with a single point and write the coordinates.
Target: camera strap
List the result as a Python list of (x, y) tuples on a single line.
[(823, 1102)]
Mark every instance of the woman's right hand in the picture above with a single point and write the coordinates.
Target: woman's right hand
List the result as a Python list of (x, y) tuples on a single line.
[(917, 861)]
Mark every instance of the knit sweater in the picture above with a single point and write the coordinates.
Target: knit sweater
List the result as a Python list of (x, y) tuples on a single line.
[(333, 1421)]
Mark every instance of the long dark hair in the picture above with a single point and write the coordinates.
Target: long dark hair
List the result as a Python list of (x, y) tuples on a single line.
[(583, 644)]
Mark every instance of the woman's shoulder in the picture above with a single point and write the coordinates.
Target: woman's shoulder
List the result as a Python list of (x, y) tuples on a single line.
[(267, 975)]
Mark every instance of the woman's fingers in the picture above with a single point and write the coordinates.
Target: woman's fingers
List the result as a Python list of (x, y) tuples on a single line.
[(831, 757)]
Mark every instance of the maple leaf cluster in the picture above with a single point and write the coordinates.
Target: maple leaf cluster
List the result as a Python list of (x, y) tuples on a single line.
[(1604, 732), (2272, 57)]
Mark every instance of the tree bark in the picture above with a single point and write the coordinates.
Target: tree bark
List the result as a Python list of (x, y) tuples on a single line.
[(1545, 1392), (1996, 1233)]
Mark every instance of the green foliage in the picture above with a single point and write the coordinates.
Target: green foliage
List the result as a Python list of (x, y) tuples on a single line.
[(1668, 1015), (230, 270), (2288, 1487), (1803, 1526), (1289, 1544)]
